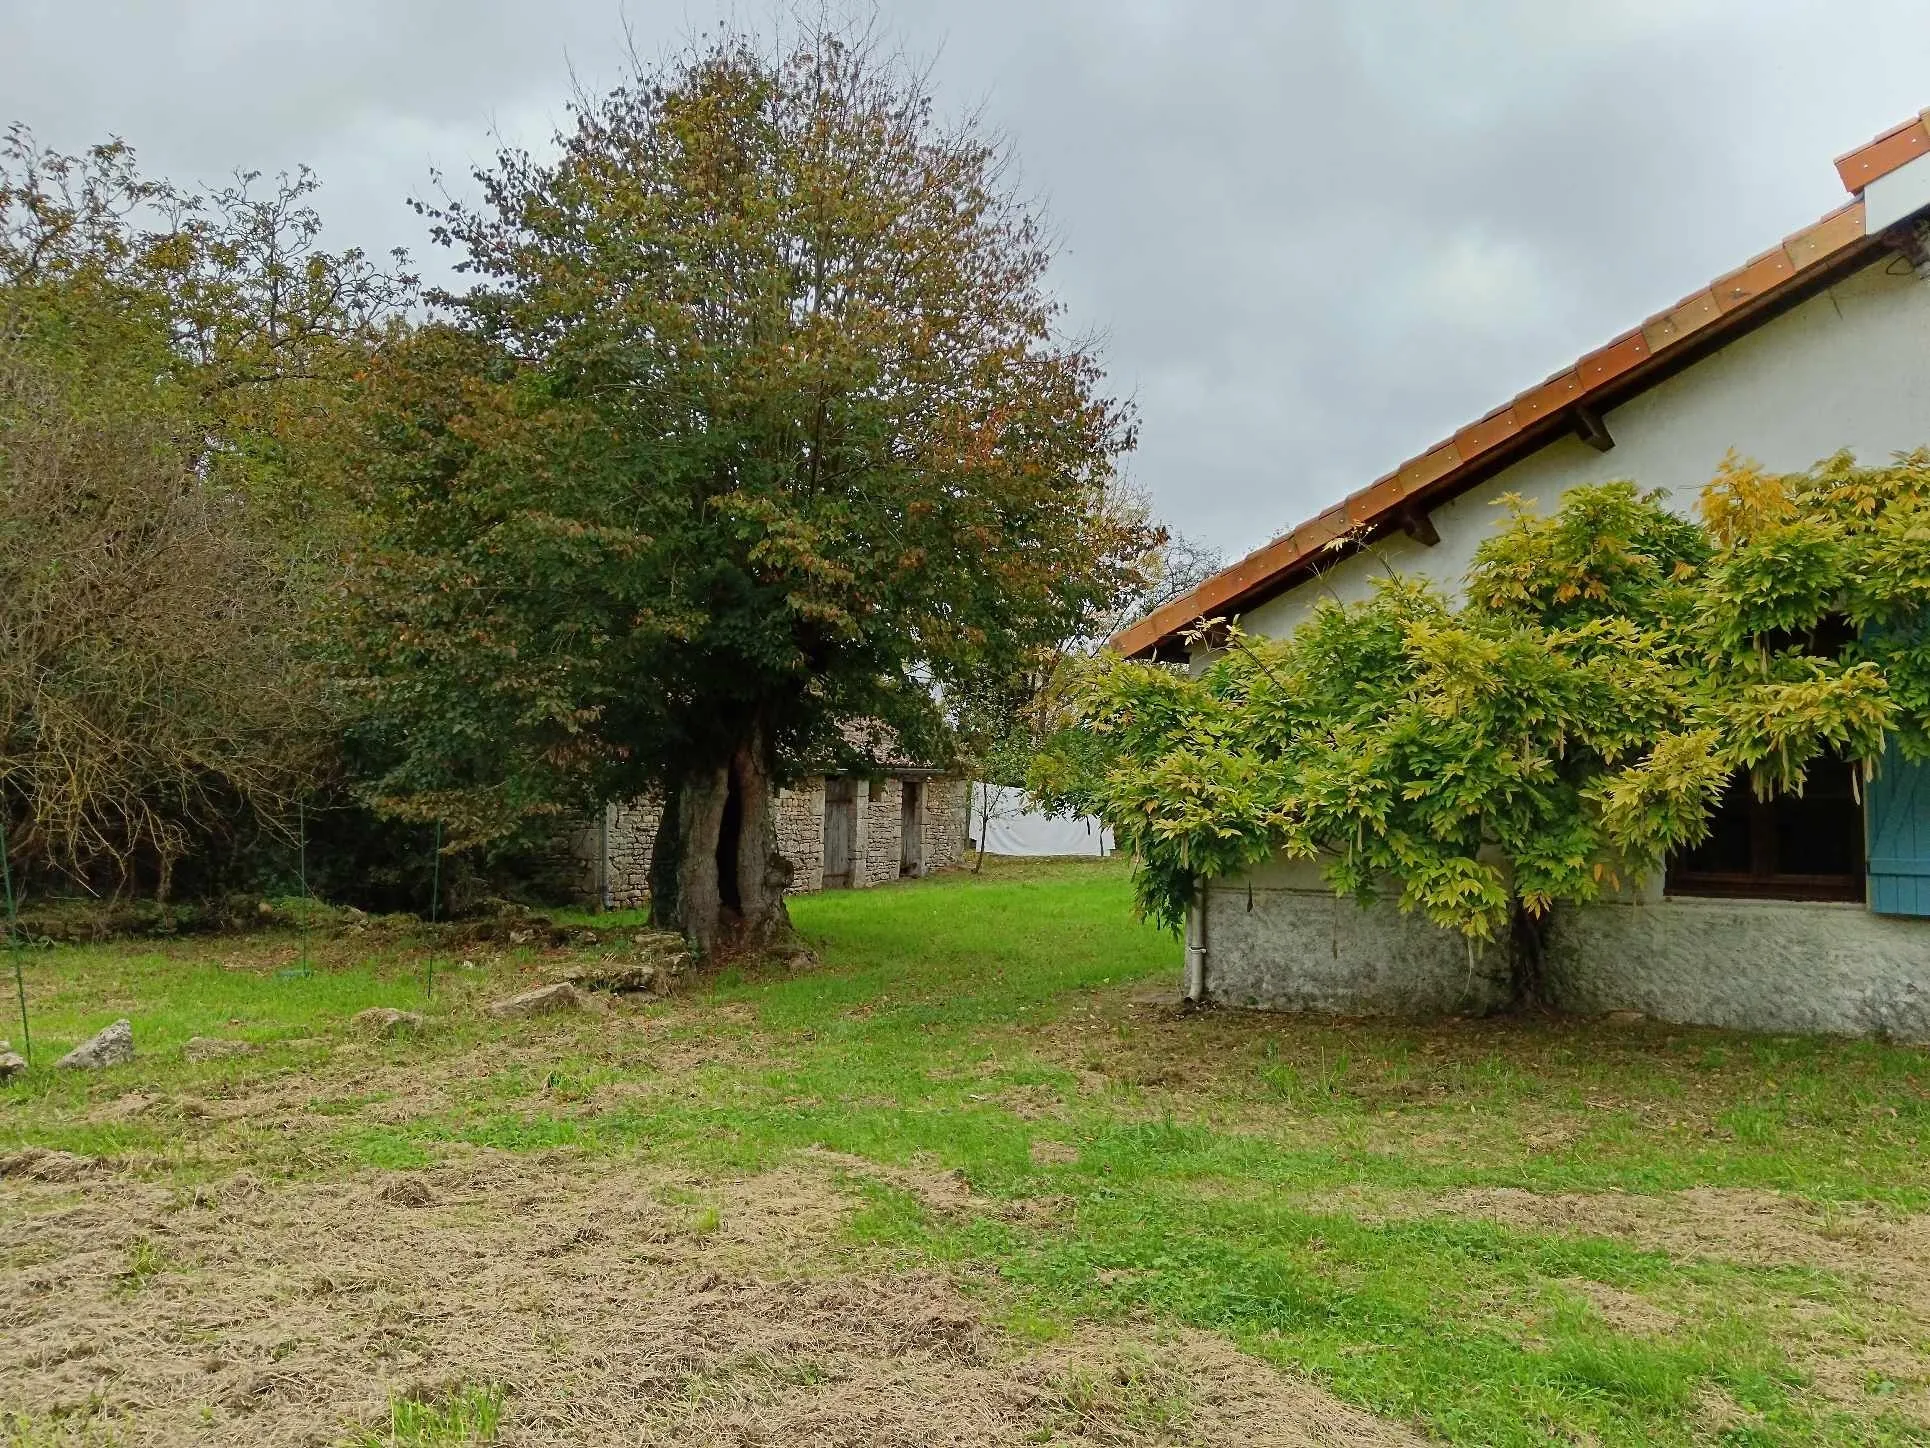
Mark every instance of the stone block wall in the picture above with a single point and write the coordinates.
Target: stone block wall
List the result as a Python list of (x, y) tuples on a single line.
[(576, 855), (800, 833), (948, 804), (1753, 965), (1281, 940), (630, 829), (884, 828)]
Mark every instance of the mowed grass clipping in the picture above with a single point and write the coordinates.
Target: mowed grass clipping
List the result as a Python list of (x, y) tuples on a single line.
[(1495, 1231)]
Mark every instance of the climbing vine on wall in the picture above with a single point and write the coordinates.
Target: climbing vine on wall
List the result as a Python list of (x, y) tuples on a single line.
[(1552, 736)]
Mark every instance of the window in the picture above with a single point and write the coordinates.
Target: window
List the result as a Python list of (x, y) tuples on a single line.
[(1797, 847)]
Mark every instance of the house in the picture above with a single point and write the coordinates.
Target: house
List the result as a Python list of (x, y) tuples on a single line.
[(1801, 914), (838, 830)]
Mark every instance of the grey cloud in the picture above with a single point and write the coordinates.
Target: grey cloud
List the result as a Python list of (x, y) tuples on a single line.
[(1316, 236)]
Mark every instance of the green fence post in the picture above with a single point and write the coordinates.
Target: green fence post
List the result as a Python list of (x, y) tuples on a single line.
[(13, 946), (435, 908), (303, 969)]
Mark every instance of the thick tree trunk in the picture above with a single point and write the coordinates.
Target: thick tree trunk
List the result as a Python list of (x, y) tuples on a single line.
[(700, 893), (763, 874), (1528, 961), (716, 874)]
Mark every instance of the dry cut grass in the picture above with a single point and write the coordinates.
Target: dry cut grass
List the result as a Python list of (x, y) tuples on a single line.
[(600, 1303)]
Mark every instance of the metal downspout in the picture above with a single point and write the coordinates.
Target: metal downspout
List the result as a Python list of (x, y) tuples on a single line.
[(1195, 985)]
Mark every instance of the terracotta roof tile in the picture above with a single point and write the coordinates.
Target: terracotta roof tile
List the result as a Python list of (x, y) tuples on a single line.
[(1491, 431), (1327, 528), (1684, 319), (1832, 233), (1605, 364), (1428, 467), (1729, 306), (1752, 279), (1376, 498), (1549, 398), (1894, 148)]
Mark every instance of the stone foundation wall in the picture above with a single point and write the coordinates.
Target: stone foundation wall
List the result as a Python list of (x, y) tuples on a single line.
[(1752, 965), (574, 854), (1281, 940)]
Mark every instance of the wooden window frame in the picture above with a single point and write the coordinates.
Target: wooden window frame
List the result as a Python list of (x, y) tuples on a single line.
[(1763, 881)]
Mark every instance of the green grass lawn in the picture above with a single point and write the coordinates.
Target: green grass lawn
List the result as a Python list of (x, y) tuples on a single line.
[(1492, 1231)]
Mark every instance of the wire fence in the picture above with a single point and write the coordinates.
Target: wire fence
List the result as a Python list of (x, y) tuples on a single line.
[(301, 970)]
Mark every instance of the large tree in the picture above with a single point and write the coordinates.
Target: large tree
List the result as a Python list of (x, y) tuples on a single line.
[(756, 420), (1552, 736)]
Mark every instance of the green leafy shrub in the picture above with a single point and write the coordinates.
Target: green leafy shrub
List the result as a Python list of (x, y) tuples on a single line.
[(1554, 736)]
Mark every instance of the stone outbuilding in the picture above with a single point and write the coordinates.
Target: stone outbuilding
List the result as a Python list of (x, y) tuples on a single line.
[(838, 830), (1804, 913)]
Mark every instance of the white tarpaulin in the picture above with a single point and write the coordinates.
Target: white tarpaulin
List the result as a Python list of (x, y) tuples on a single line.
[(1012, 827)]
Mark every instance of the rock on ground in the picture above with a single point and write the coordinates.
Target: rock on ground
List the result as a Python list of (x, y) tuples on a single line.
[(12, 1063), (112, 1047), (658, 958), (617, 975), (543, 1001), (40, 1165), (386, 1022)]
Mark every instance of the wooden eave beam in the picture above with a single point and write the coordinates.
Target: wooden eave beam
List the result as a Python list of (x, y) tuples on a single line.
[(1417, 525), (1590, 428)]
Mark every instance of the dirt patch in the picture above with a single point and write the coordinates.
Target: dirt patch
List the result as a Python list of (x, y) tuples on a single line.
[(1882, 1258), (945, 1193), (1891, 1255), (940, 1192), (1624, 1311), (400, 1091), (611, 1305), (407, 1191), (1030, 1103)]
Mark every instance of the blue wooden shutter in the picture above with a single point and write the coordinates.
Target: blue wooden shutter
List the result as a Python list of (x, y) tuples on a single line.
[(1897, 803)]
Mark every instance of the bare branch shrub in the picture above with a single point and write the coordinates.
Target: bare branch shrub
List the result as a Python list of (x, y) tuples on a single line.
[(149, 684)]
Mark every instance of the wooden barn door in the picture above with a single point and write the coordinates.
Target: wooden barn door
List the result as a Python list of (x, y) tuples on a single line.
[(840, 832), (911, 850)]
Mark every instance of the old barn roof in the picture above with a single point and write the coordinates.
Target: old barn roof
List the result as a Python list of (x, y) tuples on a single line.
[(1572, 400)]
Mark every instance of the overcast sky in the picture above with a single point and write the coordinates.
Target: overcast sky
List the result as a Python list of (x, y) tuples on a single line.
[(1316, 236)]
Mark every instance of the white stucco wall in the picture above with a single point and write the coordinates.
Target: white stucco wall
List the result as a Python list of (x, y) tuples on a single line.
[(1761, 965), (1849, 368), (1279, 939), (1282, 940)]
